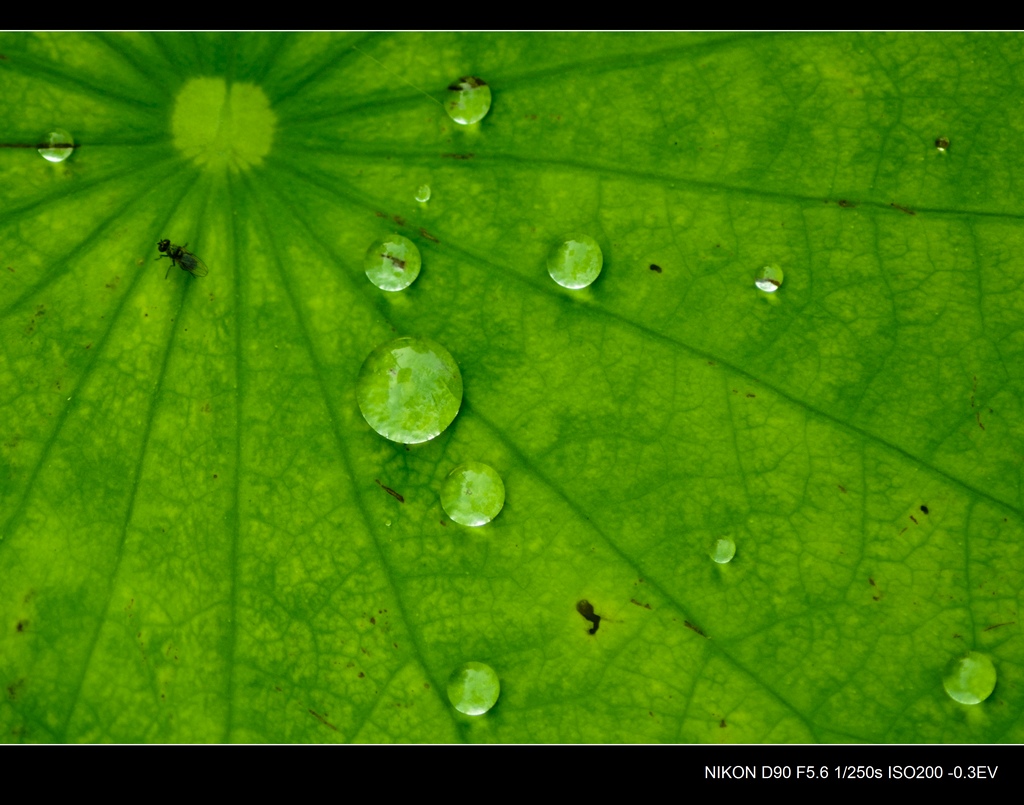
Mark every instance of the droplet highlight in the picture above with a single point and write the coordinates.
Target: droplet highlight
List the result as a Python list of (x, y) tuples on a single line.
[(423, 194), (473, 494), (768, 279), (970, 679), (575, 262), (58, 146), (409, 390), (392, 263), (469, 100), (942, 143), (723, 550), (473, 688)]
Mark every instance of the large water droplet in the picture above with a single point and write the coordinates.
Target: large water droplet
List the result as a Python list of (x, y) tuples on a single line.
[(423, 194), (473, 494), (575, 262), (59, 146), (768, 279), (473, 688), (409, 390), (723, 550), (392, 263), (469, 99), (942, 143), (970, 679)]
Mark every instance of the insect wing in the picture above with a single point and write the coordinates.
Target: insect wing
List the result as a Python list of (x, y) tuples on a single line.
[(193, 265)]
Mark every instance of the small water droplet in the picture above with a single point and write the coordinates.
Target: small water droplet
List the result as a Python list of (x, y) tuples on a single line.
[(970, 679), (469, 99), (387, 523), (723, 550), (473, 688), (473, 494), (59, 146), (392, 263), (768, 279), (423, 194), (576, 261), (409, 390), (942, 143)]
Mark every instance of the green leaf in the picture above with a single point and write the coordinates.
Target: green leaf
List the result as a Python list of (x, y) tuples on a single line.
[(198, 540)]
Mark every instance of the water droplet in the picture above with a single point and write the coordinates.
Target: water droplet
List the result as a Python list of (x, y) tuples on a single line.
[(575, 262), (469, 99), (409, 390), (59, 146), (970, 679), (392, 263), (942, 143), (473, 494), (769, 279), (423, 194), (473, 688), (723, 550)]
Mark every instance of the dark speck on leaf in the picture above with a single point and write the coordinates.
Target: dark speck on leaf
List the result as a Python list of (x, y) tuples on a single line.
[(924, 508), (586, 609), (655, 268), (322, 720), (391, 491)]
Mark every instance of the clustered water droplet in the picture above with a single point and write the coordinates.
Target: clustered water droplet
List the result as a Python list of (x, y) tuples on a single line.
[(473, 494), (423, 193), (768, 279), (392, 263), (970, 678), (473, 688), (576, 261), (409, 390), (469, 100), (723, 550), (58, 146)]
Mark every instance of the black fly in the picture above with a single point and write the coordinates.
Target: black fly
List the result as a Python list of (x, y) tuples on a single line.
[(182, 258)]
